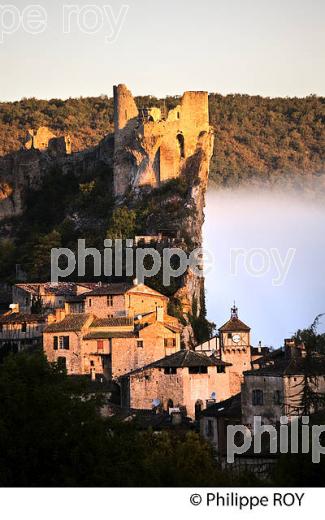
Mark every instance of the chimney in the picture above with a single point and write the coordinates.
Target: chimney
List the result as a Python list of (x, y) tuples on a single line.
[(50, 318), (59, 314), (160, 314)]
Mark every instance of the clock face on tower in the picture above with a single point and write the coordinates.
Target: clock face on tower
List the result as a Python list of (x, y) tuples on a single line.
[(236, 338)]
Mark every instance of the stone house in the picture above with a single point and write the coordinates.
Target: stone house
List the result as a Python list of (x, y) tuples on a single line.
[(275, 388), (184, 379), (85, 344), (50, 295), (123, 299), (215, 419), (20, 331), (114, 338)]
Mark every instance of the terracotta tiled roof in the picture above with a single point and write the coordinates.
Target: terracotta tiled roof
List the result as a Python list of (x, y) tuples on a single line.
[(112, 322), (18, 317), (229, 408), (109, 334), (234, 325), (113, 288), (287, 366), (59, 288), (181, 359), (72, 322)]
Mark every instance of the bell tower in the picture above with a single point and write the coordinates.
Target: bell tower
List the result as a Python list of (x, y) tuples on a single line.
[(235, 348)]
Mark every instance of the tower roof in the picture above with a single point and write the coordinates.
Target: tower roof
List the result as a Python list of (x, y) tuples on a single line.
[(234, 324)]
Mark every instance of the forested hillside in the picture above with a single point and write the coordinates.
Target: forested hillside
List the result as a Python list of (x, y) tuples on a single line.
[(260, 138)]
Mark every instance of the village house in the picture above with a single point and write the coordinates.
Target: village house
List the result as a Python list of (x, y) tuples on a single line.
[(272, 389), (126, 327), (275, 388), (185, 379), (215, 419), (48, 296), (123, 299), (20, 331)]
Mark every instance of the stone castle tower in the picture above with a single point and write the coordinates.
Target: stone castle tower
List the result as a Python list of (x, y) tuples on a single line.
[(151, 147)]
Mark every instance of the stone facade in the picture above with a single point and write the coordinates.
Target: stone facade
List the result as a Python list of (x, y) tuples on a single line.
[(151, 148), (112, 337), (124, 300), (276, 388), (21, 330), (181, 386)]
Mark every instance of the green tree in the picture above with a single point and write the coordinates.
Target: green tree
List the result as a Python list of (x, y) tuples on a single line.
[(41, 255), (123, 223)]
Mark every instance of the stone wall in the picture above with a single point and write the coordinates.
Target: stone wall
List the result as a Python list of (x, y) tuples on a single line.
[(98, 305), (183, 388), (149, 152), (133, 353), (269, 410), (73, 355)]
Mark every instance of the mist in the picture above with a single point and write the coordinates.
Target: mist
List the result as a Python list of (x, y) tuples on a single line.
[(269, 256)]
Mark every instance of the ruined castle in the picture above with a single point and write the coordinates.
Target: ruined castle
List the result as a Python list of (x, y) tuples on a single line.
[(152, 147)]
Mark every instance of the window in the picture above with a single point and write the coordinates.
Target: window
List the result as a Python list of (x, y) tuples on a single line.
[(55, 343), (110, 300), (100, 344), (258, 398), (170, 404), (229, 335), (170, 342), (181, 147), (277, 397), (170, 370), (64, 342), (1, 327), (140, 343), (209, 428), (92, 363), (89, 302), (198, 370), (221, 369), (24, 327)]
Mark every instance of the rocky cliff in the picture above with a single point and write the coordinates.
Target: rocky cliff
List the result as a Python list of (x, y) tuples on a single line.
[(149, 150)]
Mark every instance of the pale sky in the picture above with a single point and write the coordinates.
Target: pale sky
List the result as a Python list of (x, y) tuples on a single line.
[(266, 47), (269, 256)]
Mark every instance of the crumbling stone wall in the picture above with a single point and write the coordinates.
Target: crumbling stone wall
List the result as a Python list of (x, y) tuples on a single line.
[(44, 140), (150, 150)]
